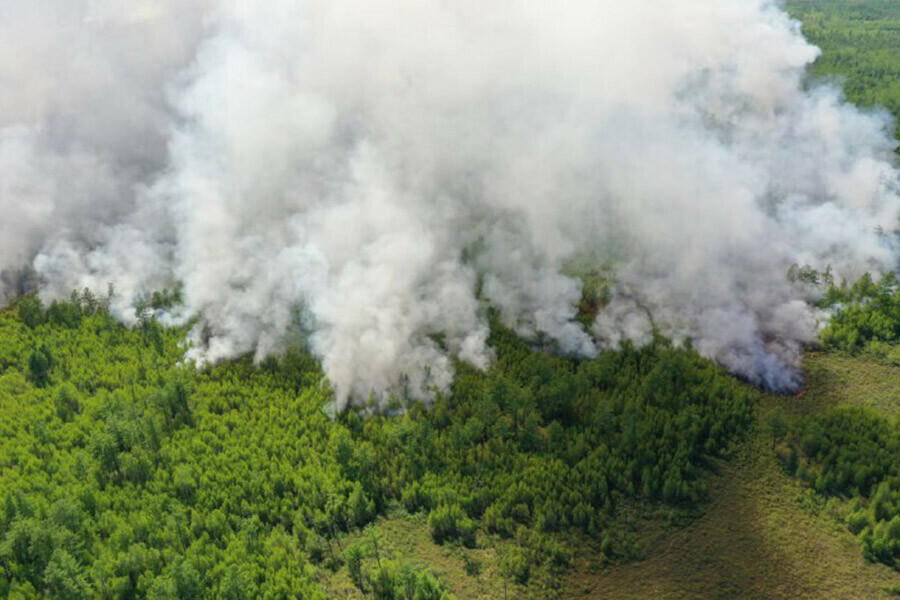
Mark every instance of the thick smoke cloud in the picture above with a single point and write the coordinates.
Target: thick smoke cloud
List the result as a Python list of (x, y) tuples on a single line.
[(372, 176)]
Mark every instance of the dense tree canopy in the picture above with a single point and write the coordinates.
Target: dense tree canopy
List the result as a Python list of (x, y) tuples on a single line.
[(128, 475), (865, 317)]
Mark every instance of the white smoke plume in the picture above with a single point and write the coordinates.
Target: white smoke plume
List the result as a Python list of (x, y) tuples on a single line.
[(377, 174)]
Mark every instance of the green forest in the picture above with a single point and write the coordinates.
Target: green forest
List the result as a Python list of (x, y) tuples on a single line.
[(859, 40), (127, 472), (850, 451), (128, 475), (853, 452)]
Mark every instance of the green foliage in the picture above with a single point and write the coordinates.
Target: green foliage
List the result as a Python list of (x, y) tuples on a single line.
[(854, 452), (449, 522), (778, 426), (40, 361), (65, 578), (473, 566), (866, 313), (128, 474), (31, 312), (394, 579), (66, 402), (860, 42), (515, 566), (353, 557), (553, 445)]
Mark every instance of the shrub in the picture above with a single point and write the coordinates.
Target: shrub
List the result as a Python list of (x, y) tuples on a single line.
[(449, 522), (31, 313)]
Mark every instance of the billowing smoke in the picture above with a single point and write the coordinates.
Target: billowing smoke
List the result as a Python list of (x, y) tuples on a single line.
[(372, 176)]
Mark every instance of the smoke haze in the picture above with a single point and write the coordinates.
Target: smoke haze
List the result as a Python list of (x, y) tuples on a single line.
[(371, 174)]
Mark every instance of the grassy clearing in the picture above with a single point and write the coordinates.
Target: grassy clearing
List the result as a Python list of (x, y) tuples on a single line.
[(763, 534), (407, 536), (834, 380)]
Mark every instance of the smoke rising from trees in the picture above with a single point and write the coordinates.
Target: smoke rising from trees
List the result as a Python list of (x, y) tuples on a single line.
[(372, 176)]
